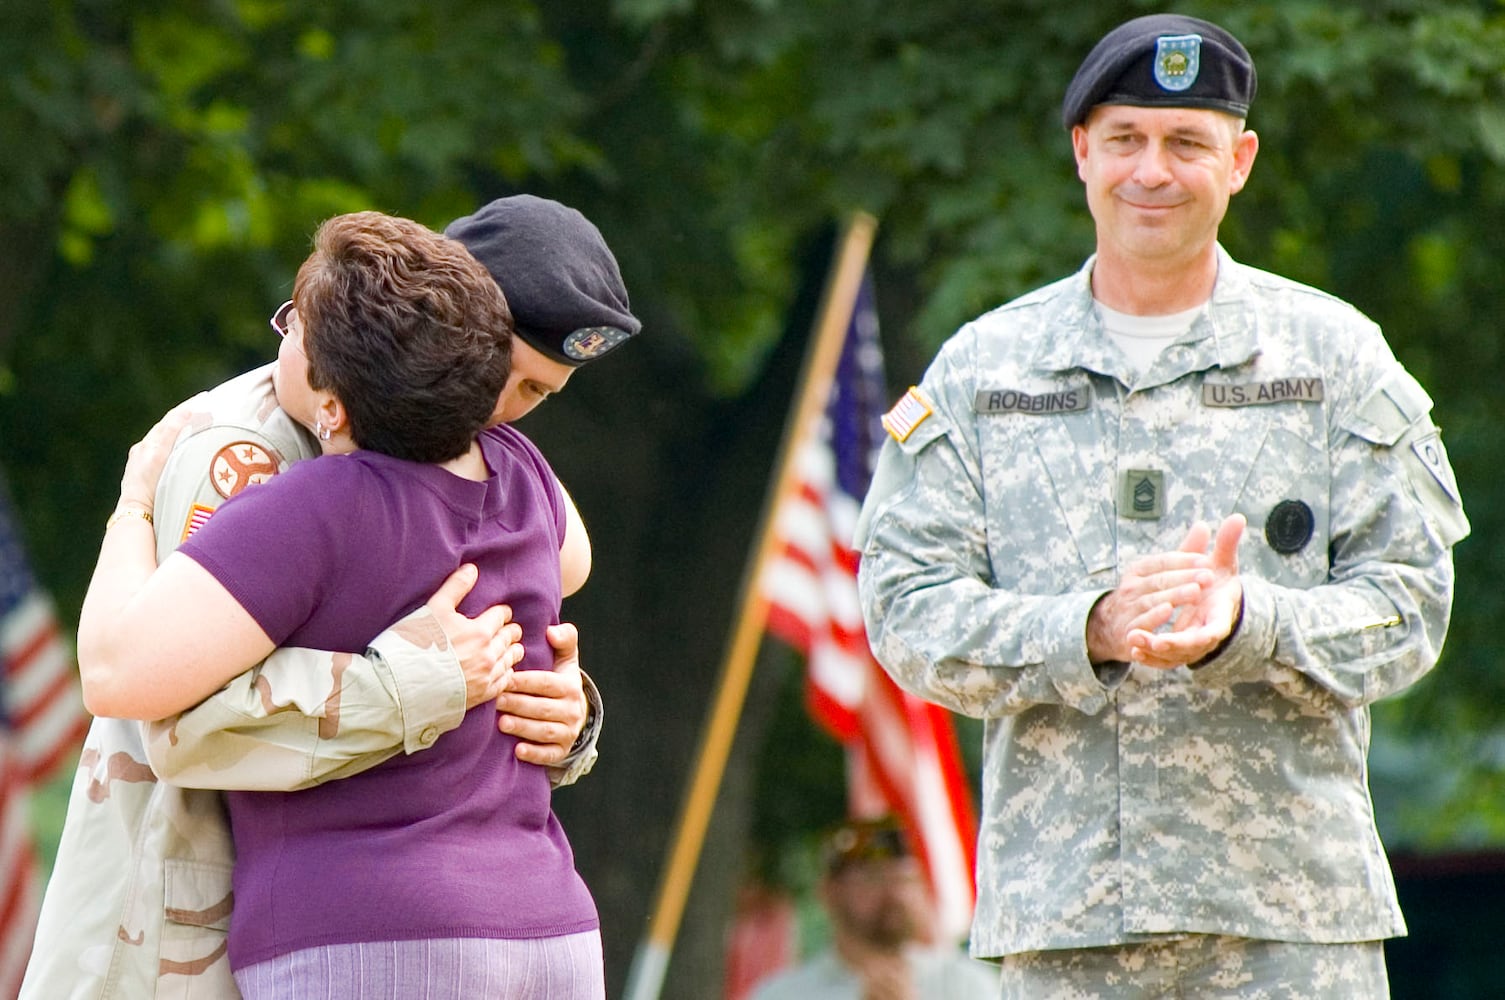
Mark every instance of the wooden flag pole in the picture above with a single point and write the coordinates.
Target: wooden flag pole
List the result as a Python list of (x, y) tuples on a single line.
[(646, 978)]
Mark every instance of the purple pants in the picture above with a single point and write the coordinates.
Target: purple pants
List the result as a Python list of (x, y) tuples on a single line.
[(560, 968)]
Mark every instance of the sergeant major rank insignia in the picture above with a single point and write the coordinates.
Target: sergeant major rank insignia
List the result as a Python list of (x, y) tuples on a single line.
[(1141, 494), (1178, 60)]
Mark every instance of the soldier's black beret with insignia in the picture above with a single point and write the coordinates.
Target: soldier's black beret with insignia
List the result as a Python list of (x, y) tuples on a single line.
[(558, 275), (1163, 60)]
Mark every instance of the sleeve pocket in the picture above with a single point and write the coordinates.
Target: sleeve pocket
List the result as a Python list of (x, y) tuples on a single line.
[(1392, 406), (1397, 415)]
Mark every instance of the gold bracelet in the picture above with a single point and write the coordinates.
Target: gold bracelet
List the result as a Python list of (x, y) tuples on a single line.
[(121, 512)]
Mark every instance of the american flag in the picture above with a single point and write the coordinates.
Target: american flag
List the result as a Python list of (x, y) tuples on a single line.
[(901, 751), (42, 721)]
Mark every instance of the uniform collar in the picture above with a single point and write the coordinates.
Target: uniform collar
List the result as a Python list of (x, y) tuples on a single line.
[(1226, 336)]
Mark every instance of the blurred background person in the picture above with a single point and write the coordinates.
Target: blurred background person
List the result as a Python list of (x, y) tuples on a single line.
[(873, 891)]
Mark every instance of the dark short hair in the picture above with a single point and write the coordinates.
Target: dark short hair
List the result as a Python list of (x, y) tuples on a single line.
[(408, 330)]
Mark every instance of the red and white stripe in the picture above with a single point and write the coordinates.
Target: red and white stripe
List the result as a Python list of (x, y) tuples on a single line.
[(45, 723), (20, 895), (811, 585), (42, 701), (902, 751)]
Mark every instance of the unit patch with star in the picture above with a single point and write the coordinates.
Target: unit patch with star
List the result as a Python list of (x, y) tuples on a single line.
[(238, 465)]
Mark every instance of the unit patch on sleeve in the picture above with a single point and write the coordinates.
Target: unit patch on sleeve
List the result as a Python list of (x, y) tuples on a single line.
[(908, 413), (1429, 450), (238, 465)]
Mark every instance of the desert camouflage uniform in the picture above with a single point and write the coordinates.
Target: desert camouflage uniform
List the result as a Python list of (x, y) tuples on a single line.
[(1124, 803), (139, 902)]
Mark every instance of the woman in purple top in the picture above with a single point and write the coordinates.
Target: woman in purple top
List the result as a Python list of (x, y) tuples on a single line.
[(443, 873)]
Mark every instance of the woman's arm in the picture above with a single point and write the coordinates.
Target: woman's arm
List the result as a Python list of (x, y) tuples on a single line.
[(575, 553), (154, 641)]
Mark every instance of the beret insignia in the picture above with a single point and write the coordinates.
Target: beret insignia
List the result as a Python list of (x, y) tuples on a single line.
[(1178, 58)]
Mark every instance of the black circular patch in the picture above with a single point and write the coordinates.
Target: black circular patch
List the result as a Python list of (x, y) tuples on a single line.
[(1289, 526)]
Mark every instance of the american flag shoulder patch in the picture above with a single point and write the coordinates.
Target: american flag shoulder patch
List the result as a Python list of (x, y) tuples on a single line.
[(197, 515), (908, 413)]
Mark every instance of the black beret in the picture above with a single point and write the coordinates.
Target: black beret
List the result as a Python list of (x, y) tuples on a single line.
[(558, 274), (1163, 60)]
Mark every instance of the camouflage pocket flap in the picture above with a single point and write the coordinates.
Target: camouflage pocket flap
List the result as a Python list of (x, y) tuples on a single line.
[(198, 894), (1394, 405)]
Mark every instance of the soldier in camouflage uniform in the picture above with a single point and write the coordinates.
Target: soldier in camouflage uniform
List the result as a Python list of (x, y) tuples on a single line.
[(1176, 715), (139, 902)]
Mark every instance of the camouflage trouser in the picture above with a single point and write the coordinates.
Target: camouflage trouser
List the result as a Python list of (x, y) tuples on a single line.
[(1200, 967)]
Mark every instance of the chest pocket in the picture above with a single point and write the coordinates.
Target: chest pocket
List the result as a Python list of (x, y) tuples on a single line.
[(1049, 501), (1286, 499), (1268, 461)]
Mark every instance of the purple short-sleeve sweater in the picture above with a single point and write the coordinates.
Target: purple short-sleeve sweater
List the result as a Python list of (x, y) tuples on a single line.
[(455, 841)]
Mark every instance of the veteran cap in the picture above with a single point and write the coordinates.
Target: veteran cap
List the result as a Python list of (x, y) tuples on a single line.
[(558, 274), (860, 840), (1163, 60)]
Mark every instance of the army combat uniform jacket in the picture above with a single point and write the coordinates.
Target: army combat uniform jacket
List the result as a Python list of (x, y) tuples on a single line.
[(139, 901), (1031, 466)]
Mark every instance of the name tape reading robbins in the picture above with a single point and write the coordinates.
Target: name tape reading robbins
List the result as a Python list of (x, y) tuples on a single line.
[(1014, 401)]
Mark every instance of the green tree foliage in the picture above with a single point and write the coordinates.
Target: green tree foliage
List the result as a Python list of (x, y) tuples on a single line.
[(163, 164)]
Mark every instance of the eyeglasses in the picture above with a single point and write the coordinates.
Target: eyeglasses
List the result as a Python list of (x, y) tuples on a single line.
[(280, 318)]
